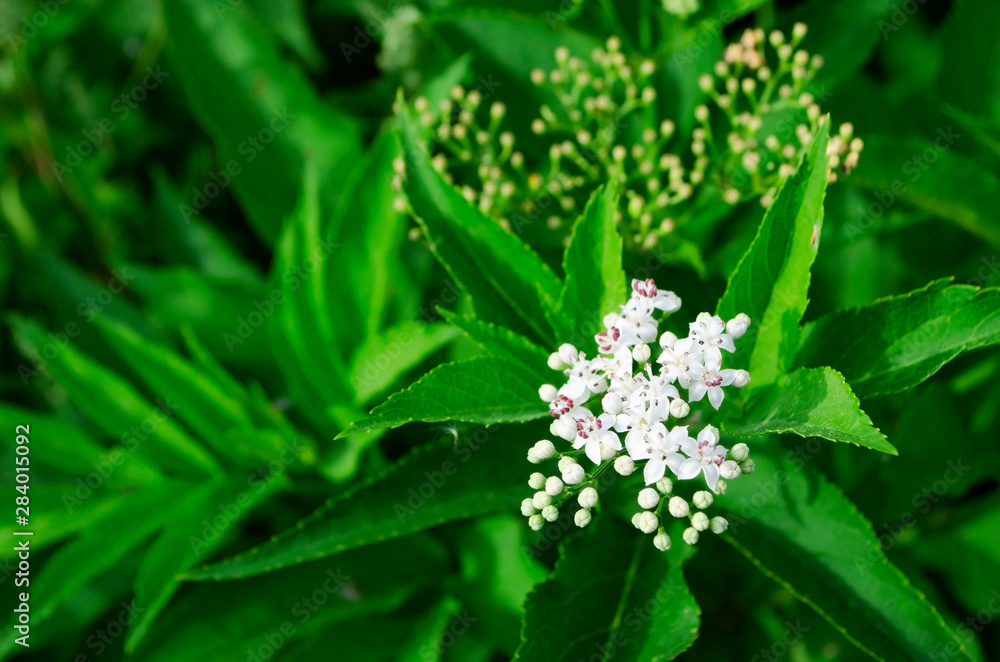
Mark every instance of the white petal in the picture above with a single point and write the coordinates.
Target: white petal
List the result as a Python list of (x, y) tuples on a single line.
[(654, 470), (689, 469), (593, 450), (697, 392), (715, 396), (712, 476)]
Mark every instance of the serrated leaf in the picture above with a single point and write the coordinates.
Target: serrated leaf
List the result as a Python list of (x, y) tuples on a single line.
[(895, 343), (240, 87), (800, 530), (436, 483), (771, 282), (612, 596), (501, 342), (117, 408), (480, 390), (810, 402), (948, 184), (388, 355), (509, 283), (595, 280)]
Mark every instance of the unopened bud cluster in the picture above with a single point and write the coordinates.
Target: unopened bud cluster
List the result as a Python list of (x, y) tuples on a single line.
[(600, 124), (639, 401)]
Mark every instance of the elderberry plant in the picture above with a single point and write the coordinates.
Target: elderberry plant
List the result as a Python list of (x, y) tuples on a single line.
[(639, 401)]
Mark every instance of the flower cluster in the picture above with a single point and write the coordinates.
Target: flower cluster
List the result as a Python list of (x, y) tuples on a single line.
[(619, 409), (599, 123)]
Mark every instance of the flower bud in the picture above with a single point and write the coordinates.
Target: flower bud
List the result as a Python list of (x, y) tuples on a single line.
[(721, 486), (624, 465), (667, 340), (677, 506), (544, 449), (665, 485), (540, 500), (564, 462), (699, 521), (719, 524), (551, 513), (648, 522), (649, 498), (573, 474), (679, 408), (582, 517), (548, 392), (738, 326), (527, 507), (563, 428), (739, 452), (607, 452), (641, 352), (729, 470), (661, 541), (536, 481), (568, 354), (555, 362), (532, 457), (799, 30), (741, 378), (747, 466), (702, 499), (705, 82), (714, 431), (690, 535), (553, 486), (587, 497), (536, 522)]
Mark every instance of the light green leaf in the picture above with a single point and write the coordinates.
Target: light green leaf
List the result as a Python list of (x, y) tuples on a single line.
[(508, 282), (612, 596), (932, 176), (440, 482), (810, 402), (805, 534), (895, 343), (480, 390), (595, 280), (386, 356), (771, 282)]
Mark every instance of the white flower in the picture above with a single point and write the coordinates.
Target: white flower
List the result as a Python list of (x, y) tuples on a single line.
[(548, 392), (719, 524), (540, 500), (661, 541), (585, 378), (645, 293), (553, 486), (648, 522), (561, 405), (624, 465), (536, 481), (699, 521), (739, 452), (582, 517), (551, 513), (527, 507), (679, 408), (610, 341), (691, 536), (729, 470), (592, 432), (564, 427), (636, 326), (710, 381), (741, 378), (587, 497), (573, 474), (660, 454), (704, 455), (702, 499), (649, 498), (680, 362), (536, 522), (738, 326), (710, 331), (678, 507), (544, 449)]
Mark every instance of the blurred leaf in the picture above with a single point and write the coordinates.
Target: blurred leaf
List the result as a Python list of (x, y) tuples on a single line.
[(845, 33), (612, 595), (983, 130), (801, 531), (933, 177), (810, 402), (434, 484), (895, 343), (265, 118), (480, 390), (595, 281), (771, 282), (506, 279), (115, 406)]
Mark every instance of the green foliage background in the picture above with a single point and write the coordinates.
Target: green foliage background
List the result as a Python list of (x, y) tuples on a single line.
[(207, 287)]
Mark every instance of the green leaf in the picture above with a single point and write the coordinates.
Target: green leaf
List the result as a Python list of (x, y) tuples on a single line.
[(480, 390), (982, 129), (116, 407), (261, 111), (810, 402), (801, 531), (501, 342), (612, 596), (771, 282), (931, 176), (895, 343), (187, 539), (386, 356), (440, 482), (595, 280), (506, 279)]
